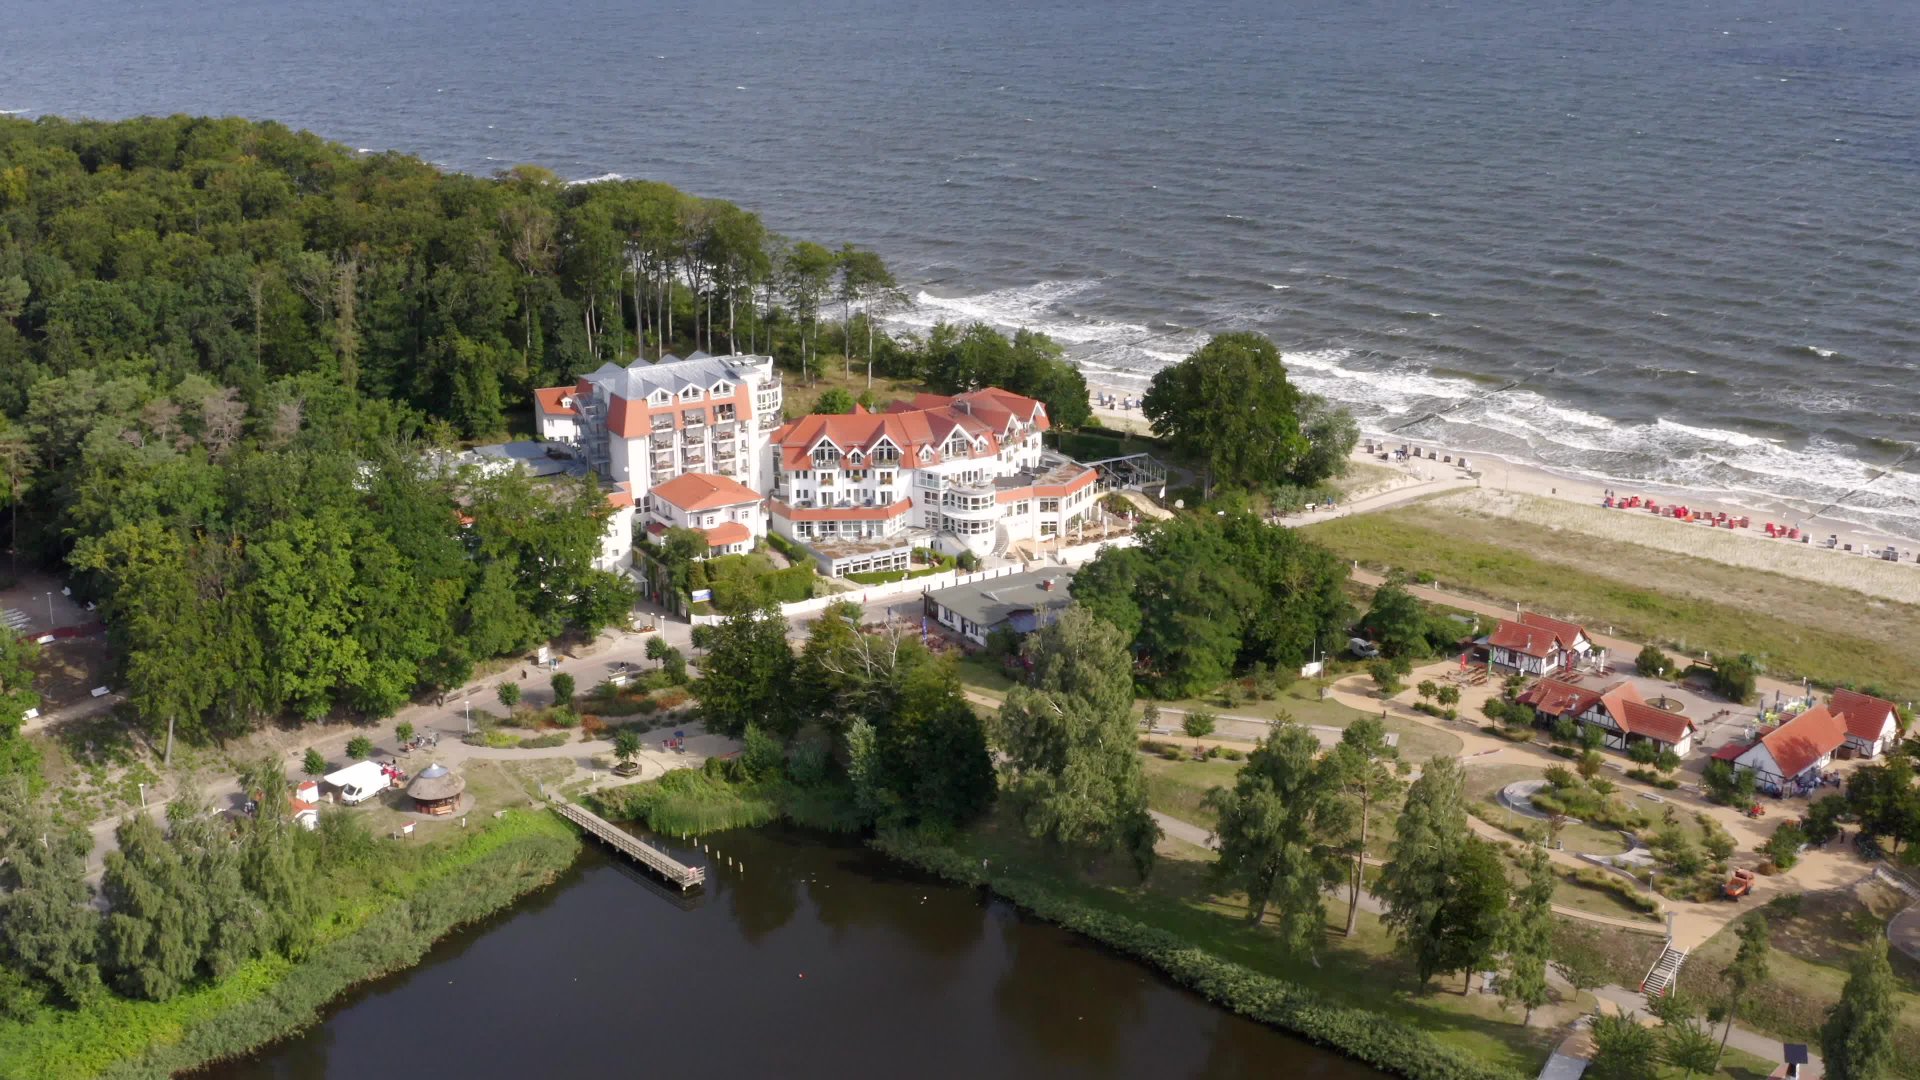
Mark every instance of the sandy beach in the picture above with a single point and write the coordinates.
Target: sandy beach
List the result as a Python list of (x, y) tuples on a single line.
[(1537, 496)]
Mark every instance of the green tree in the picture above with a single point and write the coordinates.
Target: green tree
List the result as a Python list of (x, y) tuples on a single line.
[(658, 648), (1590, 764), (1734, 678), (562, 689), (1745, 973), (157, 923), (834, 400), (1444, 891), (761, 755), (1687, 1045), (1448, 696), (1783, 847), (509, 694), (1528, 937), (48, 930), (1385, 677), (1197, 725), (1280, 832), (403, 732), (1857, 1038), (1331, 433), (1231, 405), (1360, 770), (1652, 662), (1624, 1049), (1069, 738), (359, 747), (1397, 621), (314, 764), (626, 745), (748, 676)]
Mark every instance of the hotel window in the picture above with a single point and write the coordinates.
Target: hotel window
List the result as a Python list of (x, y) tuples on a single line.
[(826, 479), (886, 479), (1049, 506)]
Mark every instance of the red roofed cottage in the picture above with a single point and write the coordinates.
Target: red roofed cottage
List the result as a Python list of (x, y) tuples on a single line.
[(1872, 723), (1796, 751)]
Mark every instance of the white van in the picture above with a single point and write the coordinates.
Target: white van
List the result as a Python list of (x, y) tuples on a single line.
[(358, 782)]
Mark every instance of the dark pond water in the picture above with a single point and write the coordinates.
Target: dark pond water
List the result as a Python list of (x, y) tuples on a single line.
[(818, 958)]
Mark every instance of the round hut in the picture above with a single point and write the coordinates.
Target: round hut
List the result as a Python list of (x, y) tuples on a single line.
[(436, 790)]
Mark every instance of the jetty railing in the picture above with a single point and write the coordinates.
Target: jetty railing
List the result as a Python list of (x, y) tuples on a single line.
[(633, 847)]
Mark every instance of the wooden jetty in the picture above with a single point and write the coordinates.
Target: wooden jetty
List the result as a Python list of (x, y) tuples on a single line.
[(627, 844)]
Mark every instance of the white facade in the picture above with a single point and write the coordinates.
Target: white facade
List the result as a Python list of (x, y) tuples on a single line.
[(958, 474), (650, 422), (732, 516), (555, 419)]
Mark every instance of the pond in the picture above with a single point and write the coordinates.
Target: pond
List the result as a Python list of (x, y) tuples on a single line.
[(810, 957)]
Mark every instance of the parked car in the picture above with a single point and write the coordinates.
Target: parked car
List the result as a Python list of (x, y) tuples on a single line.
[(1362, 648)]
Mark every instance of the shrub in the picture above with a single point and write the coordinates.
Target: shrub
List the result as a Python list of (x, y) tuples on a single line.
[(1385, 677), (541, 742), (1667, 761), (1560, 777), (1785, 844), (1619, 886), (1653, 663), (1231, 754), (359, 747), (562, 689), (402, 731), (1213, 751), (1172, 753), (1644, 752)]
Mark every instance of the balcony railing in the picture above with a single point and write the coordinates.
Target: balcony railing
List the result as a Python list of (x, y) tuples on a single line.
[(662, 423)]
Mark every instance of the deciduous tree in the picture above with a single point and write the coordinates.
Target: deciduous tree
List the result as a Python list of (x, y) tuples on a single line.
[(1857, 1038)]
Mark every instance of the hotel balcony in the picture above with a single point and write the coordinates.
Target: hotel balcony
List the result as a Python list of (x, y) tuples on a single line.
[(662, 423)]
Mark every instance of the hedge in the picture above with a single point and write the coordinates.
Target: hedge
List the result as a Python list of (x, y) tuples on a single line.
[(272, 997), (1365, 1036)]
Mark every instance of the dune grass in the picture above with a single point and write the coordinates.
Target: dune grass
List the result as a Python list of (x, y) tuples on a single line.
[(1692, 605)]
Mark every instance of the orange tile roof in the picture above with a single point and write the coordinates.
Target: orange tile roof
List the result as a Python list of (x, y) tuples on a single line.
[(730, 532), (550, 397), (1805, 739), (1866, 715), (1567, 632), (929, 420), (1640, 718), (1556, 698), (704, 491), (1525, 640), (621, 496)]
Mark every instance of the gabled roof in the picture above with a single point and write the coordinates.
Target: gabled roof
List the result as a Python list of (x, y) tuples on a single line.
[(555, 400), (1866, 715), (704, 491), (1523, 639), (1805, 739), (727, 532), (672, 374), (1653, 722), (621, 496), (1555, 698), (1567, 632), (928, 422)]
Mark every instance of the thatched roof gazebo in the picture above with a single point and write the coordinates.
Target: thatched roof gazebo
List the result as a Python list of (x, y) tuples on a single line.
[(436, 790)]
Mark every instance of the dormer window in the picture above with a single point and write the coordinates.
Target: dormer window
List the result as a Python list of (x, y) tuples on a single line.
[(926, 454), (660, 397), (691, 393), (722, 388), (856, 457)]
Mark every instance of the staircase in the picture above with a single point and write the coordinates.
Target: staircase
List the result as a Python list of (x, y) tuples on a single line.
[(1664, 973)]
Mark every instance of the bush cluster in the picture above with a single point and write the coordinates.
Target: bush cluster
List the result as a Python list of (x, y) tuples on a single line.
[(1619, 886), (1363, 1035)]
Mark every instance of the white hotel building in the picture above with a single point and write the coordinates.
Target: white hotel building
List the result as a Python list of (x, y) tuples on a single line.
[(951, 473)]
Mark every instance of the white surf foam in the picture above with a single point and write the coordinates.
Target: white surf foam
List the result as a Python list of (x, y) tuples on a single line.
[(601, 179)]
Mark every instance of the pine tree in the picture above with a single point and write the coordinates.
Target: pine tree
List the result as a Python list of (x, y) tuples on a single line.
[(1857, 1040), (1529, 938), (1362, 775)]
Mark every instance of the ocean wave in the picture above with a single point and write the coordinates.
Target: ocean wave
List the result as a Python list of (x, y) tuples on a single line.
[(1465, 410), (601, 179)]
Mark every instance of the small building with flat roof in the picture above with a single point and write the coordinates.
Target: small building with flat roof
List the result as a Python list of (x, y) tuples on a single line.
[(1022, 602)]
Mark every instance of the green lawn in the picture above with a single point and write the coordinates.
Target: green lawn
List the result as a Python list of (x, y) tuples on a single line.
[(1418, 741), (983, 675), (1811, 949), (1178, 788), (1799, 628)]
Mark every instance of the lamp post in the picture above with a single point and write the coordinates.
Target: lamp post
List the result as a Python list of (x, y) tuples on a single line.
[(53, 623)]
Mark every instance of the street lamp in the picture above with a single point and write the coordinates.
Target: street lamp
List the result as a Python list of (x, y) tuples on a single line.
[(467, 704), (52, 622)]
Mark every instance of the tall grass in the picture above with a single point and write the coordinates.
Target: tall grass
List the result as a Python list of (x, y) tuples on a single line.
[(362, 937), (689, 802), (1835, 638)]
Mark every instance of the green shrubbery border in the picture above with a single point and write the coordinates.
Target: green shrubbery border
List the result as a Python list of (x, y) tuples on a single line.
[(272, 997), (1363, 1035)]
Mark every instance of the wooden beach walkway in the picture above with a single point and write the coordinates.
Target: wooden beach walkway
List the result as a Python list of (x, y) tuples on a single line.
[(627, 844)]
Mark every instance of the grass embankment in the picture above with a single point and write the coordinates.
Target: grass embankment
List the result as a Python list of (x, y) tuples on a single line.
[(1416, 741), (1690, 604), (1814, 936), (383, 922), (687, 802)]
